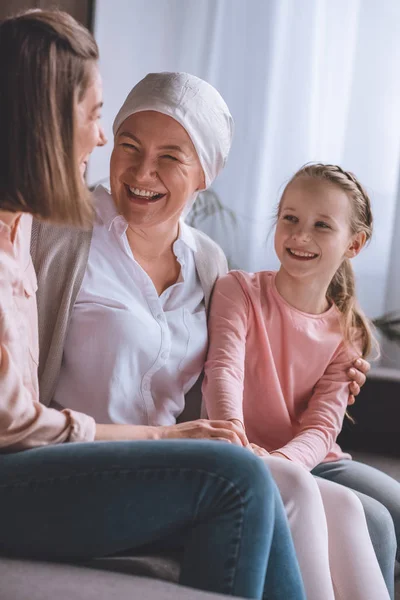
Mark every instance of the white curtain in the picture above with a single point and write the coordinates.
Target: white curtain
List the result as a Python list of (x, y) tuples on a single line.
[(305, 80)]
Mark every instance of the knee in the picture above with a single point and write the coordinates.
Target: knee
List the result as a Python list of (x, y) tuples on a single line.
[(380, 526), (243, 469), (345, 501), (294, 482)]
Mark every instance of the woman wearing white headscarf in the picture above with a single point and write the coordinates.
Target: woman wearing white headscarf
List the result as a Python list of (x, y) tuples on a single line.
[(123, 338), (124, 306), (137, 336)]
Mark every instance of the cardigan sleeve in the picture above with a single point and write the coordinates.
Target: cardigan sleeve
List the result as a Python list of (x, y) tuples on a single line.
[(60, 255)]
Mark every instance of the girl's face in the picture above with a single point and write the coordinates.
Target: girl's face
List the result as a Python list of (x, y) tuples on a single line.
[(313, 234)]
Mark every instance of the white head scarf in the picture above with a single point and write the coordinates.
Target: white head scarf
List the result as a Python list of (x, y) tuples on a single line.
[(196, 105)]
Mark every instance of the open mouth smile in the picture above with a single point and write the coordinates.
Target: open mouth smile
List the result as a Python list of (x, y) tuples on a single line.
[(301, 254), (143, 195)]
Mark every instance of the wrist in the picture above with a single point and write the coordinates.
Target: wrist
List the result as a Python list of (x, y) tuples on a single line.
[(158, 433), (237, 422), (279, 454)]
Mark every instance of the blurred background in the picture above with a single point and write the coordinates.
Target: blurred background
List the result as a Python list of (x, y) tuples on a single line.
[(305, 80)]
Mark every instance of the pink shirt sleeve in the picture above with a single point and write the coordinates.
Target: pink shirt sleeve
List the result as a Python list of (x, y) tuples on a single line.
[(224, 369), (322, 420), (24, 422)]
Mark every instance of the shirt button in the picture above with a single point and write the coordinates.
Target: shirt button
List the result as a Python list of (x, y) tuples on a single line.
[(160, 317), (146, 386), (164, 354)]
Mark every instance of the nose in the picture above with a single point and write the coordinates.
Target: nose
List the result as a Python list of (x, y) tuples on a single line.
[(300, 234), (102, 141), (144, 168)]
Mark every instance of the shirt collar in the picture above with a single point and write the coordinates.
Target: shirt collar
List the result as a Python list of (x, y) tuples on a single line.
[(106, 209), (107, 212), (6, 230), (186, 235)]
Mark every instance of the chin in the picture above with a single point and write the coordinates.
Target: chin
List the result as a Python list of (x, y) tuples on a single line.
[(82, 169)]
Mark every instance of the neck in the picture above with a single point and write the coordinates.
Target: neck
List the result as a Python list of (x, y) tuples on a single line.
[(305, 294), (11, 219), (152, 243)]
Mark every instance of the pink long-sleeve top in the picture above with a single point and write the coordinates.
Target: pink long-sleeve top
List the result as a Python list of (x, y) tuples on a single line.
[(279, 371), (24, 422)]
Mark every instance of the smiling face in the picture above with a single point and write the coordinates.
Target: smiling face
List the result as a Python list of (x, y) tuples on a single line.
[(154, 169), (313, 234)]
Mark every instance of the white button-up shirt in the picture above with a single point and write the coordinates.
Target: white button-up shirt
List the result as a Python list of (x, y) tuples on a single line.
[(131, 355)]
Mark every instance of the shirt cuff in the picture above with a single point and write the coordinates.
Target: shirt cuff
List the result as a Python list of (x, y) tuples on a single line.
[(83, 427)]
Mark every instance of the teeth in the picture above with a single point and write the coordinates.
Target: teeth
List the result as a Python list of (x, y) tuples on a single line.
[(302, 254), (139, 192)]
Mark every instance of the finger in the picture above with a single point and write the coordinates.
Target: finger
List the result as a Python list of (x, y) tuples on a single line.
[(257, 453), (362, 365), (229, 426), (357, 376), (233, 437), (351, 400), (354, 388)]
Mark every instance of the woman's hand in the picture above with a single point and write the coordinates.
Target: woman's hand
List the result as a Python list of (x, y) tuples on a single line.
[(258, 451), (357, 373), (225, 431)]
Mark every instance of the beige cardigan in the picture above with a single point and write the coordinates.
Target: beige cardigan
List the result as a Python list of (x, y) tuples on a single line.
[(60, 256)]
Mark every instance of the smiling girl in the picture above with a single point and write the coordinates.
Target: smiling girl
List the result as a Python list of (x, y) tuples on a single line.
[(280, 344)]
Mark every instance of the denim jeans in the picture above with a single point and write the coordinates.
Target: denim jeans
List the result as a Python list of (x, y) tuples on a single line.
[(79, 501), (380, 497)]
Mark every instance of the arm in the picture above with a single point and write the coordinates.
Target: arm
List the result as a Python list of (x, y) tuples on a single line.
[(224, 368), (24, 422), (322, 420), (200, 429)]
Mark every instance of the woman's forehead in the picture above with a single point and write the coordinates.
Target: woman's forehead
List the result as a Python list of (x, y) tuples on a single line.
[(158, 128)]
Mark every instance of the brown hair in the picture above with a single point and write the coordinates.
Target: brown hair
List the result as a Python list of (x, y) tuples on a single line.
[(342, 287), (46, 62)]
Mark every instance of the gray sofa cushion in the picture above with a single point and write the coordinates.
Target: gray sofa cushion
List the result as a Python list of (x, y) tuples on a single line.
[(26, 580), (160, 567)]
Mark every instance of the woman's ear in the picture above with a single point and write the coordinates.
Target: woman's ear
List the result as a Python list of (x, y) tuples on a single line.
[(356, 245)]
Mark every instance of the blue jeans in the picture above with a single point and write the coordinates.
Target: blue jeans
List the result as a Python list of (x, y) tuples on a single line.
[(79, 501), (380, 496)]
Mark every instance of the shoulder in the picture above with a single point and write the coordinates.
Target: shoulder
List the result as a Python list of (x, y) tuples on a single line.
[(254, 282), (235, 282), (205, 245), (50, 242)]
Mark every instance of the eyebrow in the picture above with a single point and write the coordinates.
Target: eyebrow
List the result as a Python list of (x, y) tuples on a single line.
[(319, 214), (167, 147), (328, 217), (172, 147)]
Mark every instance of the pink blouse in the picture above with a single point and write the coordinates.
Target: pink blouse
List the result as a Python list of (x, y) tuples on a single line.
[(280, 371), (24, 422)]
